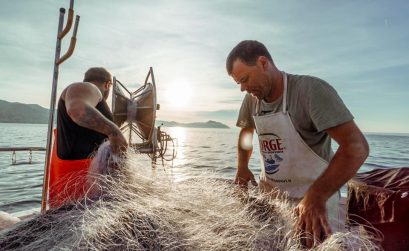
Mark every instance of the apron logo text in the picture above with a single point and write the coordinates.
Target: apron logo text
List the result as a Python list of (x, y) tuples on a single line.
[(272, 145)]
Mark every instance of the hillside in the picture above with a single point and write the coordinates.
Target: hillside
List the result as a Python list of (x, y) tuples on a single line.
[(14, 112), (208, 124)]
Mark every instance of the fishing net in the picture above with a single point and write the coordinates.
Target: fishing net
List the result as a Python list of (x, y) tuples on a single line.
[(132, 206)]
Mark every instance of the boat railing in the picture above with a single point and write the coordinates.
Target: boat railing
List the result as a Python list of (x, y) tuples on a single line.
[(29, 149)]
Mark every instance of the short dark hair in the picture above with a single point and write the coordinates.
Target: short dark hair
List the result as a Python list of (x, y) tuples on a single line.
[(248, 51), (97, 74)]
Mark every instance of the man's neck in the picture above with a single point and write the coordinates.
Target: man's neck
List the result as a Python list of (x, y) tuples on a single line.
[(277, 86), (100, 88)]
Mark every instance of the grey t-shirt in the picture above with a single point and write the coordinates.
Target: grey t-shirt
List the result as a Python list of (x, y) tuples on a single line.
[(313, 106)]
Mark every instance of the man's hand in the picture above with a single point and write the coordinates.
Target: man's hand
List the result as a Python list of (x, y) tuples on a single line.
[(312, 221), (118, 142), (243, 176)]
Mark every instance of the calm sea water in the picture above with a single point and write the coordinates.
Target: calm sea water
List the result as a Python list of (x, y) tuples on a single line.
[(198, 151)]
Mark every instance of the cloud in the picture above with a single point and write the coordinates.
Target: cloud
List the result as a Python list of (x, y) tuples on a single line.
[(348, 43)]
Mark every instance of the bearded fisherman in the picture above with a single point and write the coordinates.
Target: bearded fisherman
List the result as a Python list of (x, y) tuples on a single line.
[(295, 118), (84, 121)]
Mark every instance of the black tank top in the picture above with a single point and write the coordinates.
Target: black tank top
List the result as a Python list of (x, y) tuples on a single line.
[(74, 141)]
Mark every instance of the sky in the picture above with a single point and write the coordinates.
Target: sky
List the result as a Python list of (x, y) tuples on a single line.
[(360, 47)]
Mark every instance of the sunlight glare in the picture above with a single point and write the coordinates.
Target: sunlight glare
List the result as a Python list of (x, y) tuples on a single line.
[(179, 133), (179, 93), (246, 141)]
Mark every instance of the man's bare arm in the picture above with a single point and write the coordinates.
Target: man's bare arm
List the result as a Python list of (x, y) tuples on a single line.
[(245, 149), (351, 154), (80, 100)]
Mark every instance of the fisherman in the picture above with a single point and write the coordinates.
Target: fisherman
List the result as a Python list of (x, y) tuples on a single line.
[(295, 118), (84, 121)]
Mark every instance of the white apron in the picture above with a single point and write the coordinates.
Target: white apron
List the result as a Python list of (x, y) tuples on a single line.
[(288, 163)]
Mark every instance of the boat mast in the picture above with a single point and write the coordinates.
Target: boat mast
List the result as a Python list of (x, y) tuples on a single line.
[(57, 61)]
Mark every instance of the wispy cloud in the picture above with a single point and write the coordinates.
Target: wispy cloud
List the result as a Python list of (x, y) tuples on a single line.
[(359, 47)]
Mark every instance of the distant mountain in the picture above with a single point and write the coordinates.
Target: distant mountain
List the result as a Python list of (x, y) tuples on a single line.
[(208, 124), (14, 112)]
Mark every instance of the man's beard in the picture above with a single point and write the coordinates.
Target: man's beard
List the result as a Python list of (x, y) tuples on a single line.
[(106, 94)]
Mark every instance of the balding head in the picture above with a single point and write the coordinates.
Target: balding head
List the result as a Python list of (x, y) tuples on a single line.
[(97, 74)]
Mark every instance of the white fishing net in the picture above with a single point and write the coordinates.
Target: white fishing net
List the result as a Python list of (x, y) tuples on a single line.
[(132, 206)]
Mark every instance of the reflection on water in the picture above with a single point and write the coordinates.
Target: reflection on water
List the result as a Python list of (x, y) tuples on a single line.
[(179, 136), (177, 132), (199, 150), (21, 184), (202, 150)]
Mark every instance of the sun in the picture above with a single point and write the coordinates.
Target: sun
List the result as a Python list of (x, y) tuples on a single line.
[(179, 94)]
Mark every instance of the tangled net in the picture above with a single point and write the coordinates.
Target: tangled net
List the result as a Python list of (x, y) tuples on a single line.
[(131, 206)]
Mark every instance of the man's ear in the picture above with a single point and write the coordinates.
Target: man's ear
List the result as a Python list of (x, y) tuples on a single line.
[(263, 62)]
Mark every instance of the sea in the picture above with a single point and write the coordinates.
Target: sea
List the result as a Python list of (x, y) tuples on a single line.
[(198, 151)]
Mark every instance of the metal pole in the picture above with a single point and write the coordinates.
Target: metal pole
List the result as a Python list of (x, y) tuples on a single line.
[(51, 116)]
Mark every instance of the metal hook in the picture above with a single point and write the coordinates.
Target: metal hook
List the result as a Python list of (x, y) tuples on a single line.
[(69, 21), (72, 43)]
